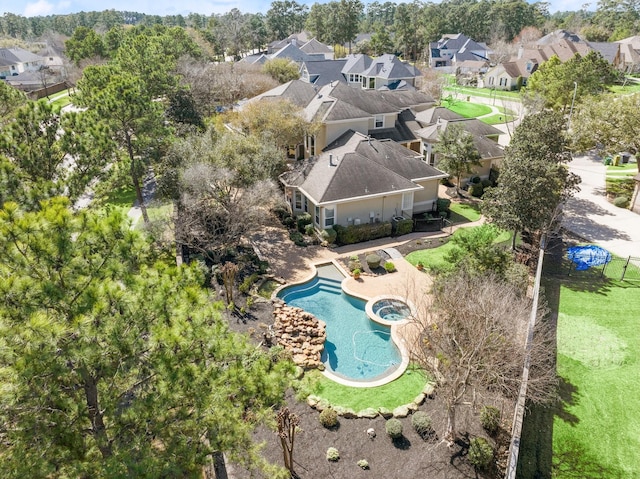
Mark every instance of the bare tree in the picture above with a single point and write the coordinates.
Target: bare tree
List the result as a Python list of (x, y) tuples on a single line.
[(287, 426), (473, 339), (215, 212), (433, 83)]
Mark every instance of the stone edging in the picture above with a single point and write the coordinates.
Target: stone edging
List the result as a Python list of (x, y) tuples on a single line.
[(399, 412)]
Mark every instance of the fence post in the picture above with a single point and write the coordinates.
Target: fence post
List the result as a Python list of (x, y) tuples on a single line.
[(624, 268)]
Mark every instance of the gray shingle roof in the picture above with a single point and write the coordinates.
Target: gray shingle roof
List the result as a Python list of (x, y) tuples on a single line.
[(359, 167), (325, 71), (314, 46), (432, 115), (356, 63), (296, 91)]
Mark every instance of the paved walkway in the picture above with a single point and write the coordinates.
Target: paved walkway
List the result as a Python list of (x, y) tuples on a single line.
[(592, 217)]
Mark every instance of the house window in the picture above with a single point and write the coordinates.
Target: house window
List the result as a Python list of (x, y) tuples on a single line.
[(329, 217), (297, 200), (311, 142), (372, 83), (491, 80), (379, 121), (364, 82), (407, 201), (503, 82), (317, 215), (305, 204)]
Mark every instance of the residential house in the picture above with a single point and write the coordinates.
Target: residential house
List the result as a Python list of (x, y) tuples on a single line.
[(456, 48), (336, 107), (358, 179), (630, 54), (14, 61), (509, 75), (485, 139), (314, 47), (361, 71), (296, 39)]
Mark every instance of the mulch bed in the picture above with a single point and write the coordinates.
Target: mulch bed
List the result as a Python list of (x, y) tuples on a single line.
[(365, 269)]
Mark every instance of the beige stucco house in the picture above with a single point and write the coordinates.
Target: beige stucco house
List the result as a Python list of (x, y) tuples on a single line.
[(358, 179)]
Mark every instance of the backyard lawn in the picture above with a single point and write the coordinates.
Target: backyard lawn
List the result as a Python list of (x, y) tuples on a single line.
[(467, 109), (464, 212), (396, 393), (597, 433)]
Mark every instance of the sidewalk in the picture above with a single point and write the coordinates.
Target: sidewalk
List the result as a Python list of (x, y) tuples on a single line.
[(592, 217)]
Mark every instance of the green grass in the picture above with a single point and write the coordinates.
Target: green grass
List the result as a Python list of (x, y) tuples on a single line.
[(467, 109), (485, 92), (622, 171), (396, 393), (497, 118), (628, 88), (597, 431), (462, 212)]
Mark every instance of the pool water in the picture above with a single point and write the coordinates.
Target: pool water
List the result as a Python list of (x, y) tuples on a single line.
[(391, 309), (356, 348)]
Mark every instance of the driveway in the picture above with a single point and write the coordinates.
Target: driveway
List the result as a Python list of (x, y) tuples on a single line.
[(592, 217)]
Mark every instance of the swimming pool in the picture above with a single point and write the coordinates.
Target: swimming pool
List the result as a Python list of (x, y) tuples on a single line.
[(356, 348)]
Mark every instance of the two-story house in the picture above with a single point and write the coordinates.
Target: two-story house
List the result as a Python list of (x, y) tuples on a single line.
[(455, 48)]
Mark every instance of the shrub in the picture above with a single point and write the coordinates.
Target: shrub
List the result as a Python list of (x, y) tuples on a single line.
[(297, 238), (289, 221), (356, 272), (421, 422), (394, 428), (476, 190), (443, 204), (403, 227), (302, 221), (389, 267), (490, 419), (363, 464), (480, 453), (354, 257), (373, 261), (486, 183), (329, 235), (332, 454), (354, 264), (309, 229), (246, 284), (281, 212), (328, 418), (621, 202)]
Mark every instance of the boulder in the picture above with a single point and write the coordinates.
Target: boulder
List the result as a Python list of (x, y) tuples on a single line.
[(369, 413), (401, 411)]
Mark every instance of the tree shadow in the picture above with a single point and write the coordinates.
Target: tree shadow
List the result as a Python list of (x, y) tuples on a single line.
[(572, 460), (401, 443), (568, 396), (580, 224)]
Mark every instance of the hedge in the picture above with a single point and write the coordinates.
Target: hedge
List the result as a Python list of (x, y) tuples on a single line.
[(359, 233)]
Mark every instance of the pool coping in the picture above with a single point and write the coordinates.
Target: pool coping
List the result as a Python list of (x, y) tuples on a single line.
[(394, 327)]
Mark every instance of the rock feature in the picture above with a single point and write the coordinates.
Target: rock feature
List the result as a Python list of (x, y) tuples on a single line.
[(300, 333)]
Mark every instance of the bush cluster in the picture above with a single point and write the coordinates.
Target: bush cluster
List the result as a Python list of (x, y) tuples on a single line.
[(363, 464), (302, 221), (359, 233), (490, 419), (394, 428), (329, 235), (421, 422), (328, 418), (480, 453), (443, 206), (333, 454), (309, 229), (476, 190)]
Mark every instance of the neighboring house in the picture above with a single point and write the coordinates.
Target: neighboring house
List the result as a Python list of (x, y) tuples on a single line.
[(630, 54), (361, 71), (509, 75), (296, 39), (485, 138), (452, 49), (14, 61), (358, 179), (314, 47)]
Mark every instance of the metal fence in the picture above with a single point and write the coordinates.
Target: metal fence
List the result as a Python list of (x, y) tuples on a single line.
[(622, 269)]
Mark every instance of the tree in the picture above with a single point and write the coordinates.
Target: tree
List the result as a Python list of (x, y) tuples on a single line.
[(473, 337), (612, 125), (281, 121), (406, 29), (10, 100), (135, 120), (113, 365), (555, 82), (281, 69), (52, 155), (286, 17), (380, 40), (84, 43), (457, 153), (349, 13), (534, 180)]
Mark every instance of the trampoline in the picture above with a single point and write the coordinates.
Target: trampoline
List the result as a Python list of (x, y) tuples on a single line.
[(587, 256)]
